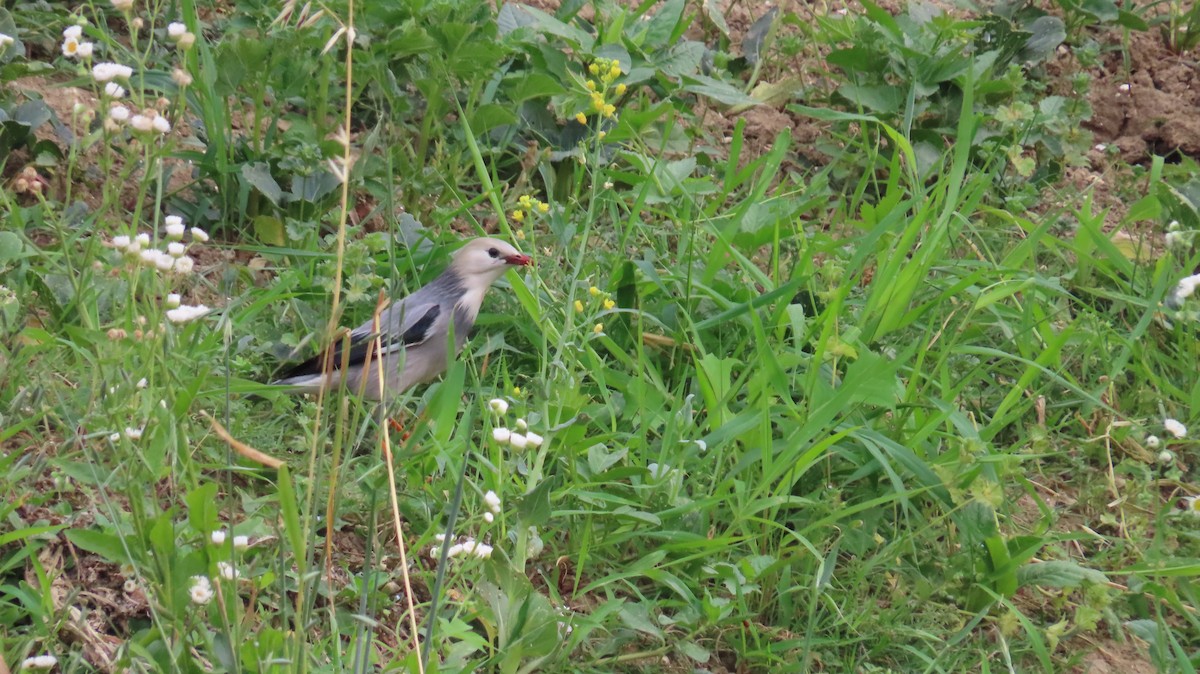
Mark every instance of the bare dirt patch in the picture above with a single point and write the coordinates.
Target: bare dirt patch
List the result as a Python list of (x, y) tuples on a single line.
[(1150, 106)]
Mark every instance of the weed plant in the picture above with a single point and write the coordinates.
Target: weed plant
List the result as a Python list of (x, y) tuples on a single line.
[(919, 408)]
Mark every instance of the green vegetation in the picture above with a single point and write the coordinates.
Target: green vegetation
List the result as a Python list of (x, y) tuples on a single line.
[(882, 387)]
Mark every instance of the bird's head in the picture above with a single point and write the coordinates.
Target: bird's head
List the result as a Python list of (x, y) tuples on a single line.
[(487, 259)]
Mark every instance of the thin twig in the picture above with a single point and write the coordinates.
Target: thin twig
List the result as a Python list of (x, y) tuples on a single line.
[(386, 448), (240, 447)]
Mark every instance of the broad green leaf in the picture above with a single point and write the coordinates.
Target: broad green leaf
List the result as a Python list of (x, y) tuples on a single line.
[(258, 175), (662, 26), (1058, 574), (490, 116), (712, 11), (717, 90), (108, 546), (269, 230), (1045, 34), (882, 98), (202, 507), (682, 59), (757, 35)]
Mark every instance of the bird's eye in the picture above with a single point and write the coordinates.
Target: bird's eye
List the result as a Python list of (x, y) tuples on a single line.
[(493, 253)]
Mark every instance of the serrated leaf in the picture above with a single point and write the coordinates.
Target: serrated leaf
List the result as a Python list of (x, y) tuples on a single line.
[(1058, 574)]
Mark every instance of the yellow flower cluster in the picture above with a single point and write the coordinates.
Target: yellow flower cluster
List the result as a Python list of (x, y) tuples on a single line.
[(605, 72), (527, 206), (607, 302)]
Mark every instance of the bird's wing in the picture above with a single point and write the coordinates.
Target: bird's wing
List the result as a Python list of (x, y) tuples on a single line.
[(415, 326)]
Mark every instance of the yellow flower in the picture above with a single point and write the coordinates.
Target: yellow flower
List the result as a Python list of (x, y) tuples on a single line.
[(543, 207), (581, 118), (525, 202), (610, 110), (516, 391), (621, 89), (521, 234), (518, 215), (578, 307), (609, 304), (598, 328), (598, 102), (594, 291), (615, 72), (591, 85), (601, 135), (593, 69)]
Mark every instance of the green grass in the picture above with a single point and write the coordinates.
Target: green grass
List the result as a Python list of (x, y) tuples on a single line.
[(892, 412)]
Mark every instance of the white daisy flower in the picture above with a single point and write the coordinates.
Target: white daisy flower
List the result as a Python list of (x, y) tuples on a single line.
[(186, 313), (70, 47), (39, 662), (106, 72), (492, 501), (140, 122), (201, 590), (227, 571), (1175, 428)]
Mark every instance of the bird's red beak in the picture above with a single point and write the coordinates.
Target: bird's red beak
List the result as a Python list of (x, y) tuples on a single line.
[(519, 260)]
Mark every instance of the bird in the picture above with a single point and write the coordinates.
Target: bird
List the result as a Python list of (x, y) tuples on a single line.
[(414, 330)]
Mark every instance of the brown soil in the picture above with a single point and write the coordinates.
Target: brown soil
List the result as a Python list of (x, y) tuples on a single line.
[(1153, 108)]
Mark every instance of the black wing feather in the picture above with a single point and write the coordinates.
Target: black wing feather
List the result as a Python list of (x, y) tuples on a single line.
[(361, 344)]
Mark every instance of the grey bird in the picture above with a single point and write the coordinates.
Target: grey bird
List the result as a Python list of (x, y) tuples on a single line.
[(415, 330)]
